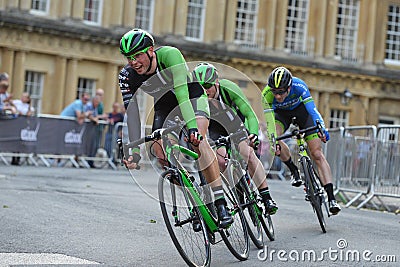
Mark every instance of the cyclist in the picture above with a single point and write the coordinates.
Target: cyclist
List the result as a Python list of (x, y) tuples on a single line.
[(226, 98), (290, 97), (163, 74)]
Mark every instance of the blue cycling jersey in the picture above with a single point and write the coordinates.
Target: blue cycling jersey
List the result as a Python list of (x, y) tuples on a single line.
[(299, 94)]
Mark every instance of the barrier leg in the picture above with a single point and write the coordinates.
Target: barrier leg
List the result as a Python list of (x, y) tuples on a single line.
[(368, 199), (354, 199)]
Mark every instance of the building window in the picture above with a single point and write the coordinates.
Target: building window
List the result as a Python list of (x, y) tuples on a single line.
[(296, 26), (346, 30), (195, 20), (39, 7), (392, 51), (93, 11), (34, 86), (339, 118), (144, 14), (86, 86), (246, 21)]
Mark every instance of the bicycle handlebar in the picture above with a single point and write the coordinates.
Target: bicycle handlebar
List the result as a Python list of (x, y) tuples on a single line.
[(224, 140), (297, 131)]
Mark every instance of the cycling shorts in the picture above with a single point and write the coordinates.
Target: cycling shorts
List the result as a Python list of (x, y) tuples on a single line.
[(303, 119)]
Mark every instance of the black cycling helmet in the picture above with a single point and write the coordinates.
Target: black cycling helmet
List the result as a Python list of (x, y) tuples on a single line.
[(280, 77), (135, 41), (205, 73)]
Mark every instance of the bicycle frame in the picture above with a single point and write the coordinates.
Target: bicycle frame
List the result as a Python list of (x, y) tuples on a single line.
[(188, 180)]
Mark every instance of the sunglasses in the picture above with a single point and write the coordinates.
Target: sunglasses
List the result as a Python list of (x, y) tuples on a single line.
[(208, 85), (134, 56), (279, 92), (4, 86)]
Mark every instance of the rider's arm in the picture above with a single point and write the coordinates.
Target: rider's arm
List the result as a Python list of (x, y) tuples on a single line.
[(308, 102), (129, 97), (269, 115), (243, 104), (173, 59)]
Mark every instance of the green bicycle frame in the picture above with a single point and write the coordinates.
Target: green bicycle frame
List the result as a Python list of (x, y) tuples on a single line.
[(204, 210)]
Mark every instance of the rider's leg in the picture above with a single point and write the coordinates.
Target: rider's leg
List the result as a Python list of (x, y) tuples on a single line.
[(286, 158), (257, 173), (315, 147), (209, 166)]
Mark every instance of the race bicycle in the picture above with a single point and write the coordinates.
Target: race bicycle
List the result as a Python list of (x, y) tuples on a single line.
[(312, 183), (250, 199), (187, 206)]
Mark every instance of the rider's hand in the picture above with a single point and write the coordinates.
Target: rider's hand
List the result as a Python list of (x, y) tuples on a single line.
[(254, 142), (194, 136), (325, 138), (132, 162)]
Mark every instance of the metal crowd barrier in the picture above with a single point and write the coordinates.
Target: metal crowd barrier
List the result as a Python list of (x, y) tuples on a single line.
[(387, 172), (355, 171)]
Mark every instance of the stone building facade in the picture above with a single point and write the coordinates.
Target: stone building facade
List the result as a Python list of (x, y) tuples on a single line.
[(54, 48)]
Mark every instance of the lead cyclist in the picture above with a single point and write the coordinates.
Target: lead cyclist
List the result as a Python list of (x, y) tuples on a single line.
[(163, 74)]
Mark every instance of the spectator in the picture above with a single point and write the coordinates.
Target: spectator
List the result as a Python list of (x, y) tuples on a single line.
[(100, 94), (23, 105), (76, 109), (5, 98), (114, 117), (94, 113)]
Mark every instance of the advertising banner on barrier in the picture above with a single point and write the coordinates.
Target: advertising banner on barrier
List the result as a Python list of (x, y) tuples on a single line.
[(42, 135)]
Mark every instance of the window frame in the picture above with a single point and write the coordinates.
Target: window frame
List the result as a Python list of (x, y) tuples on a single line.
[(339, 118), (396, 35), (38, 11), (248, 30), (99, 15), (148, 18), (87, 85), (297, 30), (202, 19), (34, 84)]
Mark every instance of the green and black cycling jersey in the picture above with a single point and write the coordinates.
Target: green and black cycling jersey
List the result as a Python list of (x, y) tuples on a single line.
[(170, 86), (232, 96)]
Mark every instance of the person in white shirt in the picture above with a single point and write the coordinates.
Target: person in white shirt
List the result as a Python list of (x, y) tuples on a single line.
[(23, 105)]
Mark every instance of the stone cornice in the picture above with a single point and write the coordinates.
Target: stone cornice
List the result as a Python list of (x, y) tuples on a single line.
[(77, 30)]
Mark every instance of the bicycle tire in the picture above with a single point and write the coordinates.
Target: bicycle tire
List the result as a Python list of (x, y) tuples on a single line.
[(254, 227), (194, 247), (235, 237), (313, 194)]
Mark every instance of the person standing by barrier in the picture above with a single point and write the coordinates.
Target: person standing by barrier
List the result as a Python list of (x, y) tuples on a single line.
[(94, 112), (114, 117), (77, 108), (290, 97), (23, 105), (6, 109)]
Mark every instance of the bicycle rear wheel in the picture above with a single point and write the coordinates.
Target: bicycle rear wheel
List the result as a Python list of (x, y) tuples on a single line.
[(179, 214), (313, 191), (236, 237)]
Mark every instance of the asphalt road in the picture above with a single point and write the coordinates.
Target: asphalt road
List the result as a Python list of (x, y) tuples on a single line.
[(83, 217)]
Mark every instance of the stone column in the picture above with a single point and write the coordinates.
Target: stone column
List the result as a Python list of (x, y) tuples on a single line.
[(71, 81), (110, 86), (55, 103), (7, 62), (330, 34), (64, 8), (129, 13), (78, 7), (18, 78)]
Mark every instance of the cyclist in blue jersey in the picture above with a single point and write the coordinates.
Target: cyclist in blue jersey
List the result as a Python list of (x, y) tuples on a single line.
[(290, 97)]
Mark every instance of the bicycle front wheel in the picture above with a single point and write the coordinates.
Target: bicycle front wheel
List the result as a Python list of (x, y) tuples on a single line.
[(236, 237), (313, 191), (179, 214), (248, 202)]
